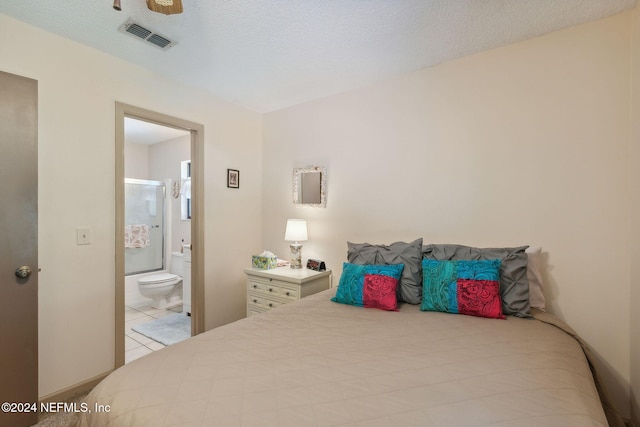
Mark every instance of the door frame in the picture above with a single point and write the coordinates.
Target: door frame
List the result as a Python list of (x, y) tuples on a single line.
[(197, 216)]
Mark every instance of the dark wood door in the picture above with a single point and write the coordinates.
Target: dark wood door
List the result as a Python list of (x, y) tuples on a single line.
[(18, 250)]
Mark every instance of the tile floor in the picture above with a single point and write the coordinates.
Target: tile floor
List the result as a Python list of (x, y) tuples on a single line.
[(137, 345)]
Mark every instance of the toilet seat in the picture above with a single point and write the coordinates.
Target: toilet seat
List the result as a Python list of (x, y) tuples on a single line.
[(164, 289), (158, 279)]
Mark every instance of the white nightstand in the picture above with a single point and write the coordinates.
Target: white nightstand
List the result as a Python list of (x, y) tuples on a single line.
[(267, 289)]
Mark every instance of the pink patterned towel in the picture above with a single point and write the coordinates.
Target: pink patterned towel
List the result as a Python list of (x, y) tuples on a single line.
[(136, 236)]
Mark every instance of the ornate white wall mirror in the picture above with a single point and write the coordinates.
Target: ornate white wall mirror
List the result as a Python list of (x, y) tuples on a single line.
[(309, 186)]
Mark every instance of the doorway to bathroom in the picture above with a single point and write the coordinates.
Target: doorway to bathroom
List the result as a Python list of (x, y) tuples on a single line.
[(159, 231)]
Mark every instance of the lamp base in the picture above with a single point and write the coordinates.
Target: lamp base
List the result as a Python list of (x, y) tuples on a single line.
[(296, 255)]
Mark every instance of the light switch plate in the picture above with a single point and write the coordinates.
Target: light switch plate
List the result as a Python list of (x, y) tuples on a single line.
[(83, 235)]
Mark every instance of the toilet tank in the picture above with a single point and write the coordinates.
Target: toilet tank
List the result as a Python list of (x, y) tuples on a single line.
[(177, 263)]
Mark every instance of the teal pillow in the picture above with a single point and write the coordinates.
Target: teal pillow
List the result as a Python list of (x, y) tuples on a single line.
[(370, 286), (465, 287), (514, 285)]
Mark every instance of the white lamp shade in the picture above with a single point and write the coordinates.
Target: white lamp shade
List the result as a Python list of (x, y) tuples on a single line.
[(296, 230)]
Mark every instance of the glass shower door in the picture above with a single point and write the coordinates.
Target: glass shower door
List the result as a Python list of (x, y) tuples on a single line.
[(144, 226)]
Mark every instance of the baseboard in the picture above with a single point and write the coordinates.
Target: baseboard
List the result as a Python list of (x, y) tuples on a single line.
[(81, 387)]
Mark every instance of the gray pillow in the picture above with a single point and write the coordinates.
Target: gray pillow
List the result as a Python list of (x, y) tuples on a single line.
[(409, 254), (514, 286)]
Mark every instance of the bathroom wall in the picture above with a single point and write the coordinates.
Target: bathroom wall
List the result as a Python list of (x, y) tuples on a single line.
[(136, 163), (78, 87), (164, 162)]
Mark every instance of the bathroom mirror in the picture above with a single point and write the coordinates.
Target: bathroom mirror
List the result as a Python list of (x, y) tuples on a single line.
[(309, 186)]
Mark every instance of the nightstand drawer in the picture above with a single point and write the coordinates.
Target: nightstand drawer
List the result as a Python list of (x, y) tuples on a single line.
[(264, 287), (257, 285), (259, 302), (292, 294), (274, 287), (267, 289)]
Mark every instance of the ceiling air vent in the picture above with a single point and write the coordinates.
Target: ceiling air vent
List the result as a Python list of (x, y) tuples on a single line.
[(141, 33)]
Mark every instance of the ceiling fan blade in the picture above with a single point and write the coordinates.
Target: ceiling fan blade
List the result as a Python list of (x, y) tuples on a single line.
[(168, 7)]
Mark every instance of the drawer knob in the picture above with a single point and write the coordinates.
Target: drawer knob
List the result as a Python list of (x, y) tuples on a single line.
[(288, 293), (270, 289), (255, 301), (255, 286), (270, 305)]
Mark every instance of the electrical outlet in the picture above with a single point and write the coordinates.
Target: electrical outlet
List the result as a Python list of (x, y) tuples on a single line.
[(83, 235)]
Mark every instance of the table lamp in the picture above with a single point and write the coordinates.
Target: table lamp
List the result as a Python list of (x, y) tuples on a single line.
[(296, 232)]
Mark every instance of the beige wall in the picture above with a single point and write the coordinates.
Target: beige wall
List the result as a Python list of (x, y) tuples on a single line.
[(634, 162), (526, 144), (165, 160), (78, 87), (136, 163)]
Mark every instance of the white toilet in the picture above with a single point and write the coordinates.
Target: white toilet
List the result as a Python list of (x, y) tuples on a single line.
[(165, 289)]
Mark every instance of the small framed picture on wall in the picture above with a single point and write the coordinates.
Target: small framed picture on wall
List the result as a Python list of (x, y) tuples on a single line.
[(233, 178)]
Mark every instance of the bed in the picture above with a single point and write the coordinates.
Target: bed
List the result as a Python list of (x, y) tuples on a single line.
[(316, 362)]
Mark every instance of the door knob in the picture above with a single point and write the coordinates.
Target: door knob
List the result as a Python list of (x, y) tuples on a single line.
[(23, 272)]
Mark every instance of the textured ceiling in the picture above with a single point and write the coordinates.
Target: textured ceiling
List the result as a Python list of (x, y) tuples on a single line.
[(270, 54)]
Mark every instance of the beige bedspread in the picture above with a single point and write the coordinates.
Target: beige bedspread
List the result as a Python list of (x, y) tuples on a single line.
[(319, 363)]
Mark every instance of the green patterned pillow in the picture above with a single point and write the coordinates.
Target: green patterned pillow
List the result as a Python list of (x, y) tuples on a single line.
[(465, 287)]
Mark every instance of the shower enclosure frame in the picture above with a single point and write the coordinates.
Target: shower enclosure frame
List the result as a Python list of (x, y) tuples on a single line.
[(164, 226)]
